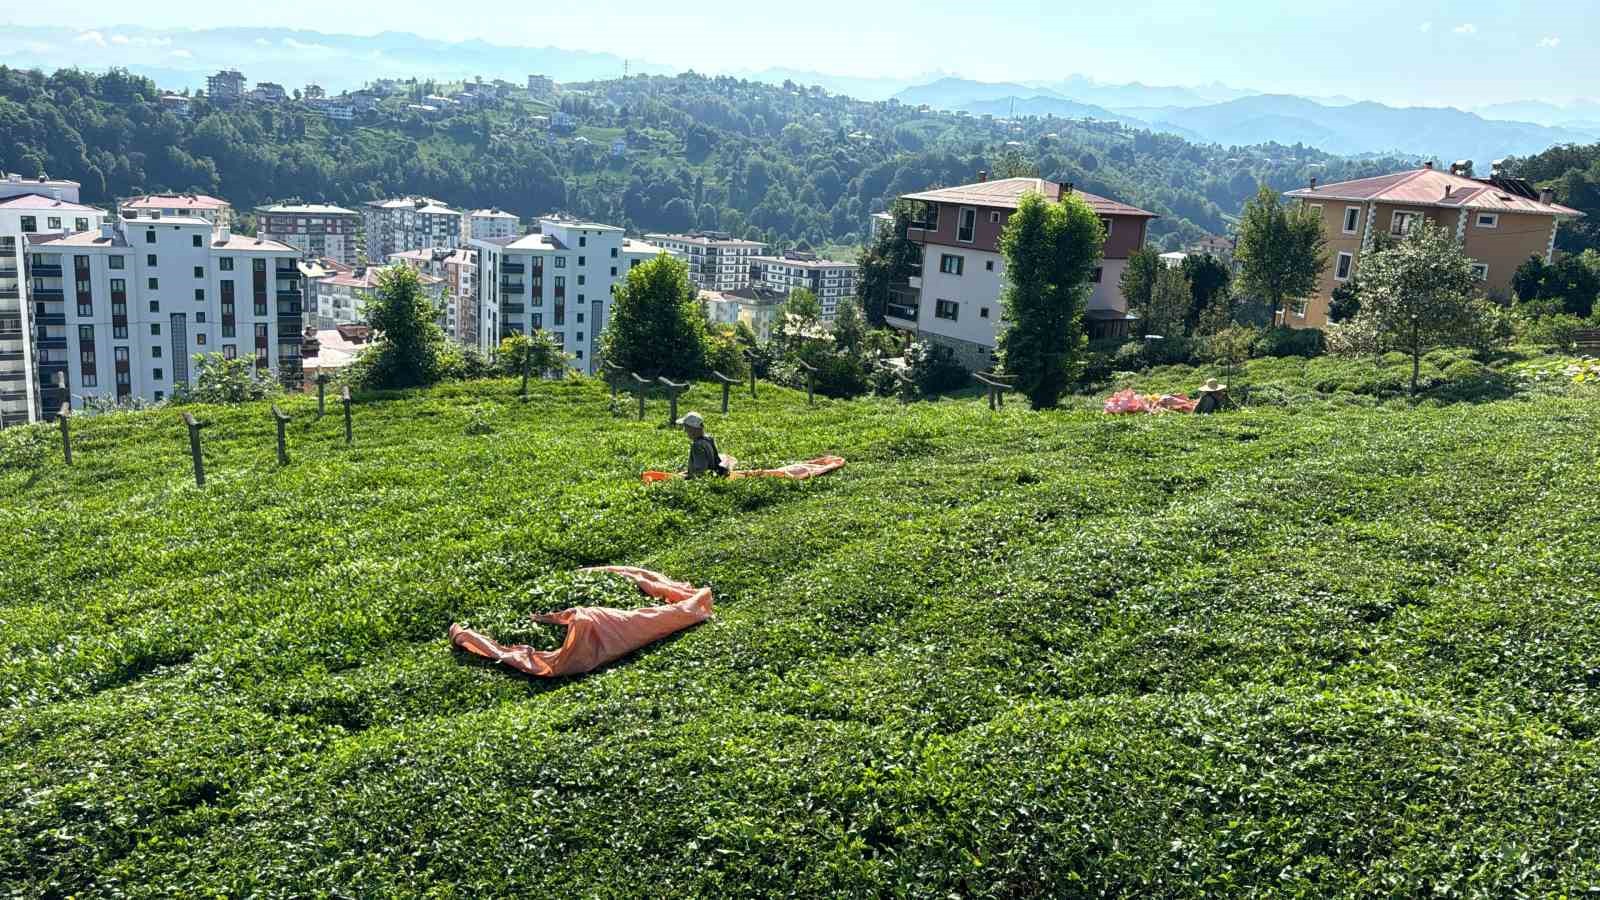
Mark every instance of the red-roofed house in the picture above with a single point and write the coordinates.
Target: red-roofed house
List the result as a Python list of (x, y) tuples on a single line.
[(198, 206), (1499, 221), (955, 300)]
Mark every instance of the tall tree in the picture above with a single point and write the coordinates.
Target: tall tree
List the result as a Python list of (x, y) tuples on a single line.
[(1281, 251), (888, 260), (1169, 304), (1210, 281), (1416, 295), (658, 326), (849, 327), (408, 347), (1139, 280), (1051, 250)]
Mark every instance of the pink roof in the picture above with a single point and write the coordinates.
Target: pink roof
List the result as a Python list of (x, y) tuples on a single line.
[(1427, 187), (369, 278), (175, 201), (1005, 193), (40, 201), (246, 242)]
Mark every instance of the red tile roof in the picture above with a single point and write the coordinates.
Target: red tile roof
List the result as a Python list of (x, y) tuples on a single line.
[(1005, 193), (1426, 187), (175, 201)]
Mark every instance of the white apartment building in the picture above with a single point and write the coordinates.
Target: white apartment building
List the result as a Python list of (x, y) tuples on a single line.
[(340, 298), (559, 280), (151, 292), (717, 261), (457, 271), (317, 230), (830, 279), (226, 87), (13, 185), (488, 224), (32, 321), (199, 206), (409, 223)]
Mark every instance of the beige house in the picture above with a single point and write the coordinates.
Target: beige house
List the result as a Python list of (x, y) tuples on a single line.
[(1500, 221)]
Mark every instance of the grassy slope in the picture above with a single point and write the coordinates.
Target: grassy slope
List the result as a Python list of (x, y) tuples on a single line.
[(1316, 651)]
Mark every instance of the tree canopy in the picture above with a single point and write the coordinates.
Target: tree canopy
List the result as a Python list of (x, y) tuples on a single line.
[(1281, 250), (658, 326)]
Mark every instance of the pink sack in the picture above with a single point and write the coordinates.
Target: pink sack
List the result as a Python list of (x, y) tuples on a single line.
[(1177, 403), (1124, 401), (597, 635), (1130, 401), (822, 465)]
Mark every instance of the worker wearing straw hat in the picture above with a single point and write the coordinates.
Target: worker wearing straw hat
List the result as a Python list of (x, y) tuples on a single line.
[(1213, 396), (703, 456)]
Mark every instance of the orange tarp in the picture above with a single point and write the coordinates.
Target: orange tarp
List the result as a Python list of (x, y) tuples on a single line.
[(1130, 401), (811, 468), (597, 635)]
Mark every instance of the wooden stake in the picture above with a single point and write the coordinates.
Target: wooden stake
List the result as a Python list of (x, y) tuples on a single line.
[(283, 448), (194, 449), (66, 432), (344, 397)]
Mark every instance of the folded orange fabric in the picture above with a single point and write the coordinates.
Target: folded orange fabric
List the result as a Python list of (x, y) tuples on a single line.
[(811, 468), (596, 635)]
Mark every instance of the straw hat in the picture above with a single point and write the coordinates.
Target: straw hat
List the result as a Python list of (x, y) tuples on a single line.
[(1211, 386)]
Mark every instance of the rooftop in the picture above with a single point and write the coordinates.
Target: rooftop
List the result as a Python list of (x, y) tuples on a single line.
[(18, 178), (700, 237), (368, 278), (420, 204), (175, 201), (314, 209), (806, 262), (493, 214), (1006, 193), (40, 201), (1432, 187)]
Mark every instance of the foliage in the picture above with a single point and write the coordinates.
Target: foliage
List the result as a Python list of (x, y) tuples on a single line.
[(888, 260), (1011, 162), (1138, 281), (1345, 301), (658, 326), (1285, 341), (1230, 347), (537, 353), (849, 327), (1570, 285), (1168, 308), (218, 379), (1573, 171), (1281, 251), (1050, 251), (1558, 331), (408, 348), (933, 368), (1210, 286), (725, 352)]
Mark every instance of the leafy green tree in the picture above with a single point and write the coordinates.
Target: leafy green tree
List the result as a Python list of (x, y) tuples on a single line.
[(1210, 283), (1418, 295), (1281, 251), (888, 260), (849, 327), (1346, 301), (1011, 162), (408, 346), (1051, 250), (535, 354), (658, 326), (218, 379), (1572, 283), (1138, 280), (1169, 304)]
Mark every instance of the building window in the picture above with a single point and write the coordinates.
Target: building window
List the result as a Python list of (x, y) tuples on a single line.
[(200, 294), (156, 374), (561, 262), (983, 312), (580, 352), (613, 253), (230, 351), (197, 240), (1352, 219), (1107, 225), (200, 340), (30, 224), (225, 264), (155, 352), (950, 264), (1098, 273), (81, 224), (994, 216), (1299, 307), (582, 242), (1402, 222), (150, 260), (1488, 220), (155, 328), (1341, 268), (988, 265), (150, 236), (199, 271), (154, 283), (945, 309), (117, 262), (155, 306), (54, 222), (613, 271), (1480, 271), (580, 280), (583, 260), (967, 225), (200, 318)]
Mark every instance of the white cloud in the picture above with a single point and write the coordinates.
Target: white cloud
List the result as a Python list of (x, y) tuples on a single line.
[(263, 42), (183, 54), (91, 37), (119, 39), (293, 44), (1465, 28), (1550, 42), (1425, 27)]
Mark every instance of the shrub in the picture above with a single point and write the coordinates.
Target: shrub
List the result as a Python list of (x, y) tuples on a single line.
[(1281, 341), (933, 368), (409, 348), (1557, 332), (218, 379)]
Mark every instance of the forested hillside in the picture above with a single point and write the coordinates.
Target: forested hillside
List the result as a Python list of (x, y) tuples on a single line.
[(779, 162), (1574, 172)]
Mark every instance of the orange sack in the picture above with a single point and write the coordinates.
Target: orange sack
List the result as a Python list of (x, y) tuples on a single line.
[(597, 635), (811, 468)]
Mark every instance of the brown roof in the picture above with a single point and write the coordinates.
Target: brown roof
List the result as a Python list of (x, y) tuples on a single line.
[(1426, 187), (1006, 193), (175, 201)]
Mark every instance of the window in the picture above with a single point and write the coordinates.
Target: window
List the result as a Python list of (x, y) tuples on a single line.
[(580, 352), (155, 306), (613, 271), (200, 340), (30, 224), (580, 318), (1341, 268), (225, 264), (582, 242), (583, 260), (1107, 225), (200, 295), (633, 263), (150, 259), (946, 309), (155, 352), (1488, 220), (53, 223), (155, 328), (80, 224), (994, 216), (150, 236), (1480, 271), (580, 336), (967, 225), (153, 283), (983, 312), (1401, 223), (197, 240), (925, 216), (200, 318), (1299, 307), (561, 262), (950, 264), (199, 271), (1098, 273), (156, 374), (230, 351), (117, 262), (580, 280), (160, 395), (1352, 219), (86, 334), (119, 332), (988, 265), (613, 253)]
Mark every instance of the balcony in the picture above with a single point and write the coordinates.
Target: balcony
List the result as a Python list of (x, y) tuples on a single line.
[(513, 308), (512, 287), (288, 308), (511, 268), (8, 271), (904, 311), (48, 295), (42, 270), (50, 343), (50, 319), (10, 294), (12, 355), (294, 295)]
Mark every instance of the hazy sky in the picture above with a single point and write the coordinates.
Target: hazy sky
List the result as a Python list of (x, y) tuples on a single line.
[(1421, 51)]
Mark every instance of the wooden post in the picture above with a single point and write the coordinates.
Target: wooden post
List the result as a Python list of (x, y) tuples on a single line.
[(997, 387), (640, 385), (66, 433), (907, 386), (811, 381), (613, 375), (283, 448), (322, 388), (527, 367), (751, 359), (344, 397), (727, 386), (673, 390), (194, 449)]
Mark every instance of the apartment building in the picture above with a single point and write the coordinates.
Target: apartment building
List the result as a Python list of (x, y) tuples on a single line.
[(831, 280), (340, 297), (488, 224), (317, 230), (409, 223), (225, 88), (1499, 222), (32, 303), (756, 307), (457, 270), (559, 280), (541, 86), (717, 261), (13, 184), (955, 298), (198, 206), (151, 292)]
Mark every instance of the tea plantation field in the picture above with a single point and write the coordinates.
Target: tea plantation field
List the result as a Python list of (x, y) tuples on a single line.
[(1328, 650)]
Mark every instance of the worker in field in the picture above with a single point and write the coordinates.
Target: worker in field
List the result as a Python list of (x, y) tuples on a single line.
[(703, 456)]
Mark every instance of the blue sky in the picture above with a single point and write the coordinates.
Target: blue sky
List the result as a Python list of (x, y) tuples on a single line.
[(1420, 52)]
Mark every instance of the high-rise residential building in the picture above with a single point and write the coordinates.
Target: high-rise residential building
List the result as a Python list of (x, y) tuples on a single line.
[(1499, 222), (559, 280), (541, 86), (409, 223), (268, 92), (14, 184), (717, 261), (32, 303), (829, 279), (317, 230), (954, 299), (341, 296), (458, 271), (199, 206), (225, 88), (488, 224), (150, 292)]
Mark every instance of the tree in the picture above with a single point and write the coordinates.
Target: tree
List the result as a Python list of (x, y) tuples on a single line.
[(1011, 163), (1139, 279), (1210, 281), (408, 347), (1418, 295), (534, 354), (1572, 283), (1346, 301), (1169, 304), (888, 260), (849, 327), (1281, 252), (1051, 250), (222, 380), (658, 326)]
